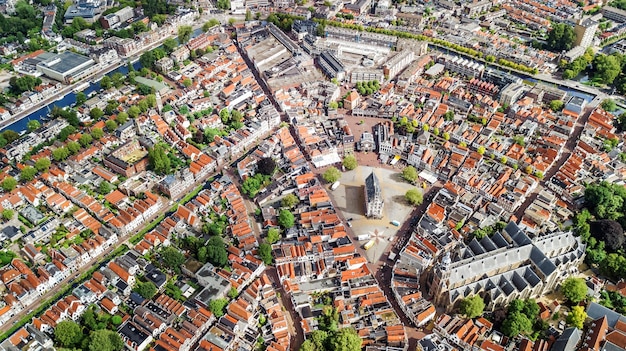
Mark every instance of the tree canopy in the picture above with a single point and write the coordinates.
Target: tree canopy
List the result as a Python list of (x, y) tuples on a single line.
[(576, 317), (28, 173), (42, 164), (147, 289), (574, 289), (286, 219), (172, 258), (265, 252), (414, 196), (105, 340), (159, 161), (273, 235), (409, 173), (68, 334), (216, 251), (266, 166), (218, 306), (350, 162), (331, 175), (472, 307), (561, 37), (521, 315), (9, 183), (33, 125), (289, 201)]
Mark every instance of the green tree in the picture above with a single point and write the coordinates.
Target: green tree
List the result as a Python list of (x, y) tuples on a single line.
[(414, 197), (105, 340), (116, 320), (561, 37), (134, 112), (42, 164), (85, 140), (210, 24), (187, 82), (446, 136), (121, 118), (576, 317), (81, 98), (273, 235), (104, 188), (147, 289), (68, 334), (472, 307), (265, 252), (159, 161), (73, 147), (60, 154), (218, 307), (607, 67), (232, 293), (96, 113), (105, 83), (266, 166), (97, 133), (28, 173), (289, 201), (33, 125), (516, 323), (409, 173), (169, 45), (481, 150), (151, 100), (184, 33), (609, 105), (111, 125), (345, 339), (329, 321), (216, 251), (173, 291), (331, 175), (172, 258), (350, 162), (10, 136), (7, 214), (556, 105), (286, 219), (9, 183), (574, 289)]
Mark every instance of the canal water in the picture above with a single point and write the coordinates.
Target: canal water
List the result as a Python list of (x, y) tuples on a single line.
[(67, 100)]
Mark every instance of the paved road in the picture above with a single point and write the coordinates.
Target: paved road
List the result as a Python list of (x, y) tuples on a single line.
[(382, 268), (568, 148), (70, 279), (297, 333)]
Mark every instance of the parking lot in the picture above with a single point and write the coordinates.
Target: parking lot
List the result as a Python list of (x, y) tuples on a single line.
[(350, 200)]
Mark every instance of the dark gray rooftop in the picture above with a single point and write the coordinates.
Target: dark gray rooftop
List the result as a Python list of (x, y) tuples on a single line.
[(65, 62)]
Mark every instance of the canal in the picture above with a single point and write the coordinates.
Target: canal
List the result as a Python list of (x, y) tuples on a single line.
[(67, 100)]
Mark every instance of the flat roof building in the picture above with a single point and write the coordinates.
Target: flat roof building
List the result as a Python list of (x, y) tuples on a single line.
[(65, 67)]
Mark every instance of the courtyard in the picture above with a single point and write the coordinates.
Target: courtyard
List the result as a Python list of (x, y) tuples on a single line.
[(349, 198)]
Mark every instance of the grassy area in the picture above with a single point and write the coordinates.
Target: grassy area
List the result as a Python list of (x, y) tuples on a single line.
[(62, 292)]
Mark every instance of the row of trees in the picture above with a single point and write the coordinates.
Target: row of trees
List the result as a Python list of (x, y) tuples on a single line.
[(439, 42), (367, 88)]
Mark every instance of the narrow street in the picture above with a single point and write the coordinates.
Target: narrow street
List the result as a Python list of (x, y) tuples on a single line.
[(568, 148)]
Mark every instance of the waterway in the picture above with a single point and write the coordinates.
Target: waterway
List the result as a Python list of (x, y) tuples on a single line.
[(66, 101), (69, 99)]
